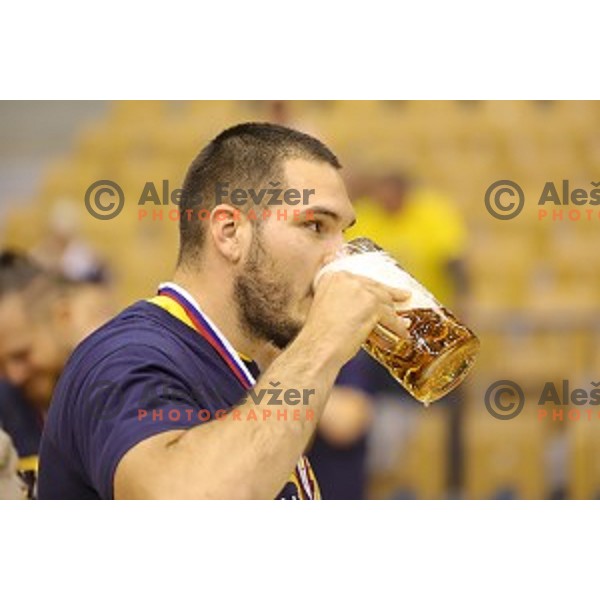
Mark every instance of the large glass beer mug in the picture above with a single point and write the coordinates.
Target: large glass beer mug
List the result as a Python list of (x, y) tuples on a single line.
[(439, 350)]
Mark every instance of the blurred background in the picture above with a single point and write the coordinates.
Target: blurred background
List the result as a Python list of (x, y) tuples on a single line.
[(418, 172)]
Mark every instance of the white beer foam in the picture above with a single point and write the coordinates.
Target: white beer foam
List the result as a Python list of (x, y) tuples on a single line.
[(383, 269)]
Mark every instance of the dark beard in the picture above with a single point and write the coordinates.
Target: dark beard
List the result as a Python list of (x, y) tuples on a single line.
[(262, 299)]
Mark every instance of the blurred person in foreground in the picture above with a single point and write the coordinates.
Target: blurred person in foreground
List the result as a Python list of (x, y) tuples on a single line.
[(42, 318), (159, 402)]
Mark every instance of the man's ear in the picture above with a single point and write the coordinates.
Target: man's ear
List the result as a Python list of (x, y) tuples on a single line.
[(228, 227)]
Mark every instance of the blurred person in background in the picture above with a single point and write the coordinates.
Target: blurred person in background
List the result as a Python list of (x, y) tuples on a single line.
[(63, 251), (339, 449), (42, 318), (425, 233)]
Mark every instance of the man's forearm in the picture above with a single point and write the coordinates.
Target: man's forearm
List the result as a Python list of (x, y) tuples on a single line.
[(247, 458)]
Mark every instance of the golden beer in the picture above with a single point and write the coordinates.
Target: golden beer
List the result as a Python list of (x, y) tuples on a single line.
[(439, 350)]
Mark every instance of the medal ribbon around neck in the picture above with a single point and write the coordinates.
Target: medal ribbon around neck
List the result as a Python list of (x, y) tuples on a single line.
[(209, 332)]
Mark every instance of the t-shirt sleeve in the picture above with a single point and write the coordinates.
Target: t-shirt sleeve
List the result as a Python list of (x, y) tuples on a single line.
[(135, 393)]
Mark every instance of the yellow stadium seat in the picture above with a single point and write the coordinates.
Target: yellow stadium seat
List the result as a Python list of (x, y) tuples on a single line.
[(584, 454), (504, 459)]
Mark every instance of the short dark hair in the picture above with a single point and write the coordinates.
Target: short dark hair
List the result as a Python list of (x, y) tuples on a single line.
[(244, 155), (17, 272), (21, 274)]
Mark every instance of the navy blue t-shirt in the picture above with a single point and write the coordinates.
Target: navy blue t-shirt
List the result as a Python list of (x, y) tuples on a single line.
[(143, 373)]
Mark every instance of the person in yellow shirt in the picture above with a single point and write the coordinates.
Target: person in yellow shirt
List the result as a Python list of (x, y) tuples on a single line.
[(419, 227), (425, 233)]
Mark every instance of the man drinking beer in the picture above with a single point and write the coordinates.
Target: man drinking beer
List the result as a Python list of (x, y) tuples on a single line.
[(240, 313)]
